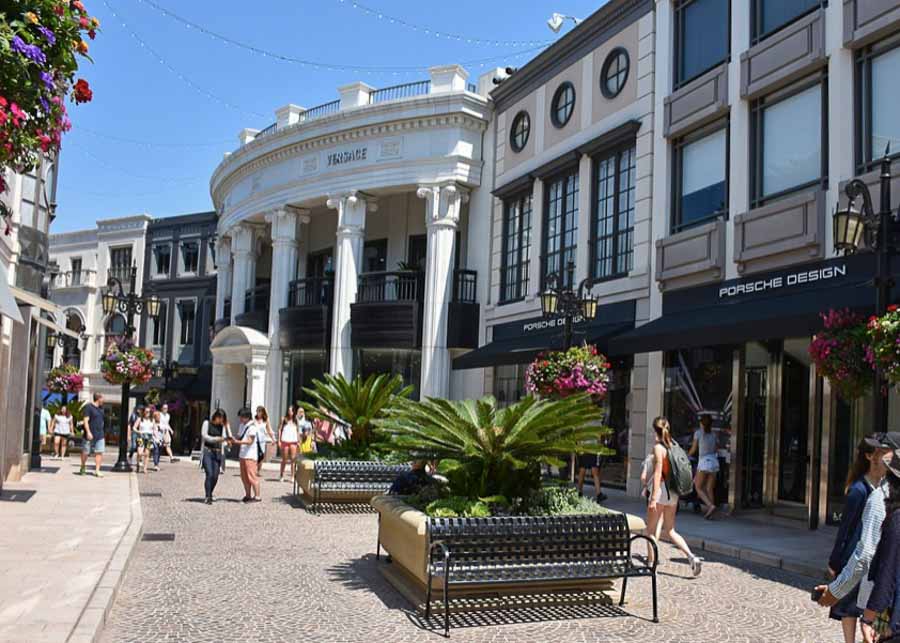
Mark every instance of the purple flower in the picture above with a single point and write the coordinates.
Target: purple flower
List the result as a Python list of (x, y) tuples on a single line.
[(32, 52), (44, 104), (47, 34), (48, 82)]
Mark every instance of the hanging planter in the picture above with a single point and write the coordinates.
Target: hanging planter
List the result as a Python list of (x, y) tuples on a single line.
[(125, 363), (65, 379), (581, 369), (842, 353), (884, 340)]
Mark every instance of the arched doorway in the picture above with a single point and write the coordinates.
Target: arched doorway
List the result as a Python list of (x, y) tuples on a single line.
[(72, 348)]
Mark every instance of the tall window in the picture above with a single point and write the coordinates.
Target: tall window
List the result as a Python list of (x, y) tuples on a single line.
[(162, 260), (187, 313), (878, 68), (701, 37), (516, 247), (788, 142), (158, 326), (115, 330), (76, 271), (769, 16), (120, 264), (190, 255), (560, 226), (701, 178), (612, 228)]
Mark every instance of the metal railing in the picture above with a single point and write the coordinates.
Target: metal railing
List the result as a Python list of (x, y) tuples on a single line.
[(465, 286), (266, 131), (257, 299), (396, 92), (398, 285), (73, 279), (320, 111), (311, 291)]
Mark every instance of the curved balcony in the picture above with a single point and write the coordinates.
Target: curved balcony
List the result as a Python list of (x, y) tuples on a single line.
[(306, 321), (256, 309), (73, 279)]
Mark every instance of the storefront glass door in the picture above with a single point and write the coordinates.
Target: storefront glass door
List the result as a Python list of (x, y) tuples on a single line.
[(753, 438), (793, 443)]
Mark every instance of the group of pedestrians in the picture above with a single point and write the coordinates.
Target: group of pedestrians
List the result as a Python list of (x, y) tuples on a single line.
[(295, 436), (865, 561), (149, 434)]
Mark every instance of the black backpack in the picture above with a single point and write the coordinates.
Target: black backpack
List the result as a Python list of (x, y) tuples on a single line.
[(681, 478)]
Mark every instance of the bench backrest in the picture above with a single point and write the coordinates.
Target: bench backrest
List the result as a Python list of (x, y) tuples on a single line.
[(515, 541), (358, 471)]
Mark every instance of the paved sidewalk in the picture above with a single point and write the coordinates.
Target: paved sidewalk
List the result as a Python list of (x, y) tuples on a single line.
[(64, 547), (771, 543)]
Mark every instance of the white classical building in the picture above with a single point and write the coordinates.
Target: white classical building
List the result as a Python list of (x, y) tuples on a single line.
[(353, 239)]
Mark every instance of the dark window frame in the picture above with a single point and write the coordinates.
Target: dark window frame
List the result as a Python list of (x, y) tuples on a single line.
[(756, 17), (187, 331), (185, 245), (678, 81), (554, 105), (75, 265), (523, 249), (864, 160), (156, 253), (677, 225), (604, 72), (563, 175), (757, 127), (596, 160), (160, 326), (520, 117)]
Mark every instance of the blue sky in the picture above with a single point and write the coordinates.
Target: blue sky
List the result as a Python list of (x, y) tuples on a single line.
[(194, 102)]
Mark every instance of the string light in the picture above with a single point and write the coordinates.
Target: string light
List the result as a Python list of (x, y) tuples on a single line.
[(81, 129), (144, 177), (428, 31), (317, 65), (187, 81)]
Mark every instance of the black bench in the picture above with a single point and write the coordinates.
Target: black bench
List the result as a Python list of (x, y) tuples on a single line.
[(351, 476), (510, 550)]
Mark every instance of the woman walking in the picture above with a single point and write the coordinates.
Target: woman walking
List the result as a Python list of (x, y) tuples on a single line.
[(288, 437), (213, 435), (165, 428), (143, 429), (265, 435), (705, 445), (156, 440), (664, 503), (249, 455), (61, 428)]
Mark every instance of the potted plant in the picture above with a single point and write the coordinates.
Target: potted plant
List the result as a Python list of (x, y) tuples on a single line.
[(884, 338), (559, 374), (124, 362), (841, 352), (65, 380)]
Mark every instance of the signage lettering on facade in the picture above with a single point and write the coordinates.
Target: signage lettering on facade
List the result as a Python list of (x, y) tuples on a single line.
[(544, 324), (349, 156), (782, 281)]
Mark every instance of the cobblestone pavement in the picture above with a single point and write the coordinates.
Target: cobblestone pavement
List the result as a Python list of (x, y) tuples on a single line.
[(273, 572)]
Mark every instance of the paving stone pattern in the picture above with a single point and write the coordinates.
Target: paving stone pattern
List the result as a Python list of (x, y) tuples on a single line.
[(273, 572)]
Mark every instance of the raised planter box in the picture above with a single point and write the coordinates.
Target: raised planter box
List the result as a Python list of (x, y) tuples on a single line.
[(403, 533)]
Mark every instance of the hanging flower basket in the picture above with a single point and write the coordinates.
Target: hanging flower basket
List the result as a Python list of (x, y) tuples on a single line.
[(65, 379), (884, 340), (126, 363), (842, 354), (581, 369)]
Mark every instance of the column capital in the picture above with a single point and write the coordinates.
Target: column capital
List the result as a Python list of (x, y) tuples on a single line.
[(352, 207), (243, 238), (443, 203), (283, 221)]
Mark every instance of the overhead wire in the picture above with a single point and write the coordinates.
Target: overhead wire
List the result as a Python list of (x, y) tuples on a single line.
[(149, 144)]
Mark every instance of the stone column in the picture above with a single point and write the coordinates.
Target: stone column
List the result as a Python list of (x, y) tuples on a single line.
[(351, 208), (443, 203), (243, 249), (283, 222), (223, 275), (256, 387)]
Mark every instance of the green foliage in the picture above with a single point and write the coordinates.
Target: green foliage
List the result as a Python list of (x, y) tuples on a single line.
[(558, 500), (457, 506), (357, 403), (75, 407), (485, 450)]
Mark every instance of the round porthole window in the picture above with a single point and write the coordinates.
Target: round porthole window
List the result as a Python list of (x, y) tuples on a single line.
[(521, 129), (563, 105), (614, 73)]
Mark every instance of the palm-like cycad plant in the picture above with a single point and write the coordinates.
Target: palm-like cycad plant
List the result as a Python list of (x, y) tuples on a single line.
[(489, 450), (356, 403)]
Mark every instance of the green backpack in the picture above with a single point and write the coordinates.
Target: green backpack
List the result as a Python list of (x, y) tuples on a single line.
[(681, 478)]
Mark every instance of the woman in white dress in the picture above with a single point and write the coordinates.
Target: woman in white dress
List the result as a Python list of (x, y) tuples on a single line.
[(288, 437), (61, 428)]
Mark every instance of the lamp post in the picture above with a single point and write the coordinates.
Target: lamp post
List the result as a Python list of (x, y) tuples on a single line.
[(166, 370), (569, 304), (879, 231), (115, 299)]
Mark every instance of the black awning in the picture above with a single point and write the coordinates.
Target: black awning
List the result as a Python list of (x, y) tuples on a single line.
[(523, 349), (790, 315)]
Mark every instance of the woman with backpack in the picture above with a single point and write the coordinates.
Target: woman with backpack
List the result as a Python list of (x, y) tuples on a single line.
[(663, 501)]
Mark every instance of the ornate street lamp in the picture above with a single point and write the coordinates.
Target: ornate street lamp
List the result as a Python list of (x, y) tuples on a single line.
[(559, 301), (880, 232), (165, 369), (115, 299)]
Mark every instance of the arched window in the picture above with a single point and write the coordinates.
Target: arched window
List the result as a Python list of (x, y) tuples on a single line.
[(72, 348)]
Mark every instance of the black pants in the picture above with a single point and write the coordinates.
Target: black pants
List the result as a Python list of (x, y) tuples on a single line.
[(212, 464)]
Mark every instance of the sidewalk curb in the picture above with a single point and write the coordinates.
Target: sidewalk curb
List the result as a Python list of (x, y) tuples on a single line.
[(754, 556), (93, 617)]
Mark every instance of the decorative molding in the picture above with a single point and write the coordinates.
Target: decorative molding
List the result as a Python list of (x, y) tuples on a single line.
[(443, 203)]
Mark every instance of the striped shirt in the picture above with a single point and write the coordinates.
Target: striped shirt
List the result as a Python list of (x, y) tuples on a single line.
[(856, 569)]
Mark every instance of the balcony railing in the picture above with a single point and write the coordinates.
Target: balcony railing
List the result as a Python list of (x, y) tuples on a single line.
[(256, 300), (390, 286), (465, 286), (320, 111), (73, 279), (311, 291), (397, 92)]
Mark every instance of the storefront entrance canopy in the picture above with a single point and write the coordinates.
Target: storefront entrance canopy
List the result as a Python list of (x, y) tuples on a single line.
[(770, 306), (520, 342)]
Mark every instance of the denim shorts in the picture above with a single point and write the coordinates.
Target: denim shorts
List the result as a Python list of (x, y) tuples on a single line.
[(93, 447)]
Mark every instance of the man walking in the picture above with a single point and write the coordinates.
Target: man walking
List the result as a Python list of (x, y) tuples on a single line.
[(94, 442)]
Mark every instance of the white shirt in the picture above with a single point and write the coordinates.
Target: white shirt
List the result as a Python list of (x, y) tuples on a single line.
[(164, 421), (289, 432), (261, 434), (146, 428), (63, 424), (249, 451)]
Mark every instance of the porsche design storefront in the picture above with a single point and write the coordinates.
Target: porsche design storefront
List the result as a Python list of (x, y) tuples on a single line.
[(738, 350)]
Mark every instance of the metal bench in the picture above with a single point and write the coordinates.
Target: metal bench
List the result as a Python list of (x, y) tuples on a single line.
[(353, 477), (515, 550)]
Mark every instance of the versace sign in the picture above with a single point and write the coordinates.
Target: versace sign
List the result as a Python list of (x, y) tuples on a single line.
[(348, 156)]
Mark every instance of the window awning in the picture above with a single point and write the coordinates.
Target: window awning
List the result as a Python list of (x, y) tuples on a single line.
[(795, 314), (8, 306)]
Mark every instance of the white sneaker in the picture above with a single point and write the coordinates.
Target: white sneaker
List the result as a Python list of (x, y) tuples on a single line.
[(696, 565)]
